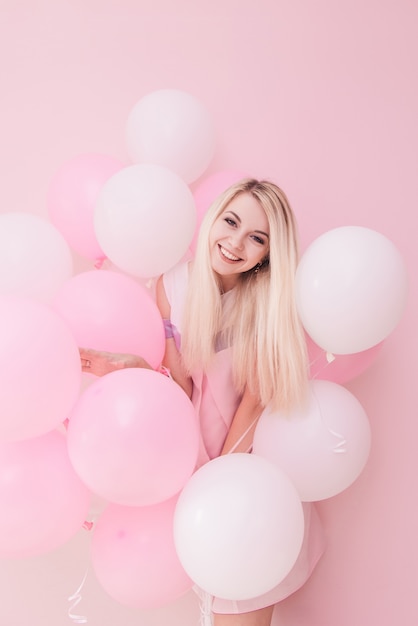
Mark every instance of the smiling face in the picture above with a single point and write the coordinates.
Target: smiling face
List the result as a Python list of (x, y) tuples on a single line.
[(239, 239)]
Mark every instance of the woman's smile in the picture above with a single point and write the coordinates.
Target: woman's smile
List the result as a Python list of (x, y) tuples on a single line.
[(228, 256)]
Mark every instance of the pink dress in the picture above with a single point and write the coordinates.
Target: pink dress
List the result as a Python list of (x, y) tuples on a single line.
[(216, 401)]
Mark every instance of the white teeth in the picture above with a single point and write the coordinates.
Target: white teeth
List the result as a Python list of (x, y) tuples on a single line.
[(228, 255)]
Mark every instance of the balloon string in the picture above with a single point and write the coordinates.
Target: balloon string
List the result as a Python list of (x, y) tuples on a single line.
[(99, 263), (241, 439), (205, 605), (76, 598), (316, 359), (329, 357), (341, 446)]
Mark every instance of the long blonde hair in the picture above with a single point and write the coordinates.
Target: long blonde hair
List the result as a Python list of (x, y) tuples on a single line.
[(267, 338)]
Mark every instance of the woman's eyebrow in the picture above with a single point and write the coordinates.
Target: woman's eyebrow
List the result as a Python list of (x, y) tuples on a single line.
[(237, 217), (261, 232)]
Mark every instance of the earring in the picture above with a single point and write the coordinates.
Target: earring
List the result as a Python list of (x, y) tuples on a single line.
[(261, 264), (257, 268)]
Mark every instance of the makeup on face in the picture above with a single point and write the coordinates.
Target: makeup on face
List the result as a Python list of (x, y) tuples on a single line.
[(239, 239)]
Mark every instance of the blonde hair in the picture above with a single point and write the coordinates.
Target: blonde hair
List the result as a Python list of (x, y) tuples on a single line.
[(264, 330)]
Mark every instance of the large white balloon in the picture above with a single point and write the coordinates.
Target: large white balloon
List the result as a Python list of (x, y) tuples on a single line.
[(35, 259), (145, 218), (172, 128), (238, 526), (351, 288), (323, 447)]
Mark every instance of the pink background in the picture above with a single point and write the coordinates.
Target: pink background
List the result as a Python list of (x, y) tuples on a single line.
[(323, 98)]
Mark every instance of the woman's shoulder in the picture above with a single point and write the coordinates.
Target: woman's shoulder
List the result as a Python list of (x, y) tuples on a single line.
[(180, 270), (176, 276), (175, 281)]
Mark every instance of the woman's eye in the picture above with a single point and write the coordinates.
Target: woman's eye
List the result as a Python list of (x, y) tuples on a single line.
[(258, 239), (230, 221)]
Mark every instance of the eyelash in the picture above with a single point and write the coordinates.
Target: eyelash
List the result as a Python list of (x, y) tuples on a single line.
[(232, 222)]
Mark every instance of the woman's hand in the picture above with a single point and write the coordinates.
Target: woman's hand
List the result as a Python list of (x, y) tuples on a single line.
[(99, 363)]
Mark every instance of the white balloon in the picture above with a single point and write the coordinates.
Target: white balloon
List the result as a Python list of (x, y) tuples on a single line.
[(172, 128), (323, 447), (35, 259), (238, 526), (145, 218), (351, 288)]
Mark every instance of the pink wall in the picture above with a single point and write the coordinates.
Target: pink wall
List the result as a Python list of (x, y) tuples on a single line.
[(321, 96)]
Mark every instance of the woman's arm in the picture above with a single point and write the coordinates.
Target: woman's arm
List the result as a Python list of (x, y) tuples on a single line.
[(172, 359), (243, 424), (99, 362)]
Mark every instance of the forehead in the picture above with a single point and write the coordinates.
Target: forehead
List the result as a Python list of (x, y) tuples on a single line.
[(249, 211)]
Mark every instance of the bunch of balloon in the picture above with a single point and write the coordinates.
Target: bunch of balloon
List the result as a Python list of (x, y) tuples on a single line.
[(170, 140), (133, 440), (127, 213), (72, 197), (107, 310), (339, 368), (132, 435), (41, 376), (43, 500), (351, 292)]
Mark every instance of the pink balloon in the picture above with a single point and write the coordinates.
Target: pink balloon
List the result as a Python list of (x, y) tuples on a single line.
[(132, 437), (109, 311), (208, 190), (43, 502), (339, 368), (134, 557), (238, 526), (72, 197), (324, 447), (40, 372)]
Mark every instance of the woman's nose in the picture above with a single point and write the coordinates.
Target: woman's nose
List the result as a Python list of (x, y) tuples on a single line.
[(237, 241)]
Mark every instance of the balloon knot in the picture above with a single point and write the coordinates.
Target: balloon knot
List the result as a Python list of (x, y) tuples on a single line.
[(330, 357), (99, 263)]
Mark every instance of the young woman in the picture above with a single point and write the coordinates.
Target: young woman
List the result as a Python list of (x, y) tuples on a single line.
[(235, 344)]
